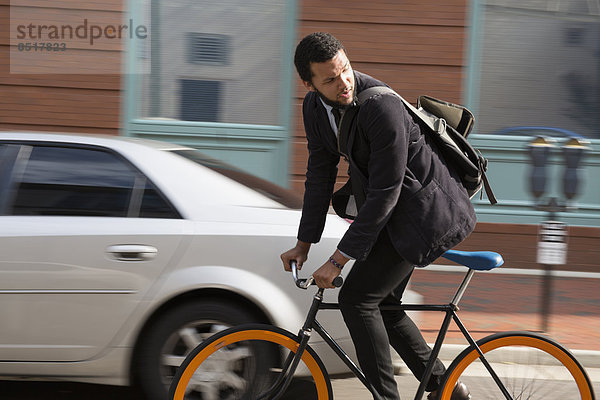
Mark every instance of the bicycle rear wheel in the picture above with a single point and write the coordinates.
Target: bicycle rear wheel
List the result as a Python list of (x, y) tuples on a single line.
[(529, 365), (243, 362)]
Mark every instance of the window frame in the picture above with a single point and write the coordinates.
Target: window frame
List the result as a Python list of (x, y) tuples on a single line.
[(509, 158), (234, 143)]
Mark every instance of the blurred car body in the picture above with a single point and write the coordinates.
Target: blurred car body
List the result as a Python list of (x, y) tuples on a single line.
[(119, 255)]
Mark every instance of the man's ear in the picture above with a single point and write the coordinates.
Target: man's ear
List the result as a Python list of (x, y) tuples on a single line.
[(309, 86)]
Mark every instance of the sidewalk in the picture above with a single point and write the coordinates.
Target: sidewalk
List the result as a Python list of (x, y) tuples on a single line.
[(502, 302)]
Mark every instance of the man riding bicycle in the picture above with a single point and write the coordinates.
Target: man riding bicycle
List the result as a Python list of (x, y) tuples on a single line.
[(410, 210)]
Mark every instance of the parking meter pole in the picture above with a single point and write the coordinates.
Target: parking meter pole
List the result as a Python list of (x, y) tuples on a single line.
[(547, 280), (539, 153), (546, 306)]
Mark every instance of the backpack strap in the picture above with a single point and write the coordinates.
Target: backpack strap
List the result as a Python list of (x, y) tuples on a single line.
[(486, 185), (375, 90), (435, 124)]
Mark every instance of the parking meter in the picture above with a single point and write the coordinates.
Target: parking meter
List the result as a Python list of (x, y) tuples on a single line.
[(539, 151), (552, 244), (573, 151)]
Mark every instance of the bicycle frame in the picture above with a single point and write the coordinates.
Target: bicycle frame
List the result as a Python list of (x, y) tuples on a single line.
[(311, 323)]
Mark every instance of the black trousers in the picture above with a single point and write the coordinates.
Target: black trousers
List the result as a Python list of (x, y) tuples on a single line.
[(381, 279)]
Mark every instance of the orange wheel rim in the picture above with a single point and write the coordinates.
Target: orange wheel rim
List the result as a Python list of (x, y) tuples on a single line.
[(267, 336), (526, 341)]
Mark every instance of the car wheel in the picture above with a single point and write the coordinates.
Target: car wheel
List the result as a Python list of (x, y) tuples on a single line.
[(166, 342)]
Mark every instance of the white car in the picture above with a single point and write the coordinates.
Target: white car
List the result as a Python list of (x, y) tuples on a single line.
[(119, 255)]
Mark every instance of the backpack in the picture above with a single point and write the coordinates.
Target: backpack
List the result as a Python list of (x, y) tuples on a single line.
[(448, 125)]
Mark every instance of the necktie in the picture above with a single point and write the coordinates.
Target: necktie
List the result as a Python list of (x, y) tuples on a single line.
[(337, 115)]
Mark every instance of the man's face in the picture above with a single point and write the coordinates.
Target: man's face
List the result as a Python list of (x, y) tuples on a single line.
[(333, 80)]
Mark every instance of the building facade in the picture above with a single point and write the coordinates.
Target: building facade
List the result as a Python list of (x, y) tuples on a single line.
[(219, 76)]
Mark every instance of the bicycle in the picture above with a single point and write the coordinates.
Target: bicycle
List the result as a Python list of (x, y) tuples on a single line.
[(258, 361)]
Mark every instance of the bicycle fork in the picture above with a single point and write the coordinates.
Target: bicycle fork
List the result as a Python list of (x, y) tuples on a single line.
[(293, 359)]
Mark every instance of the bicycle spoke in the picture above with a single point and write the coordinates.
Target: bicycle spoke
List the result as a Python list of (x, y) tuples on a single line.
[(529, 366)]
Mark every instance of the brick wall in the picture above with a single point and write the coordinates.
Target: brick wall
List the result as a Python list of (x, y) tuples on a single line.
[(66, 102), (518, 245)]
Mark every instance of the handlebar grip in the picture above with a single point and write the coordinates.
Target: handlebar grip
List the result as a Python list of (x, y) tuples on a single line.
[(338, 281), (301, 283)]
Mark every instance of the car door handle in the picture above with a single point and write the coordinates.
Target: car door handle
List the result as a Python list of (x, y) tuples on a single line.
[(132, 252)]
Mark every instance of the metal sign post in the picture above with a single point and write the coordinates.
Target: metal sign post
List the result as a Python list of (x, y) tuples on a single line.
[(552, 250)]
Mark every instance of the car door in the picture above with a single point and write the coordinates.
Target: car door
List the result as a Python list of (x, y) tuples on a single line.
[(83, 237)]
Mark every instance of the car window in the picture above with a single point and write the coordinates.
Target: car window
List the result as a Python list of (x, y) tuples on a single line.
[(8, 155), (7, 158), (85, 182), (154, 205)]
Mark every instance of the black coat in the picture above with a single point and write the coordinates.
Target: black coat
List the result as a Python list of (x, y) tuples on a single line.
[(408, 189)]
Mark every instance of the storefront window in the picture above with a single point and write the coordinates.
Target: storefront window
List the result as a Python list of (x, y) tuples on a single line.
[(208, 61), (540, 68)]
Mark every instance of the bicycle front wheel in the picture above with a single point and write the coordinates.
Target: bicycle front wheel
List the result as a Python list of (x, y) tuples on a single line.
[(530, 366), (243, 362)]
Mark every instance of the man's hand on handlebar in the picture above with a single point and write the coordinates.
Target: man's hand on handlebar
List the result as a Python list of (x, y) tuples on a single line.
[(299, 253), (305, 283), (325, 275)]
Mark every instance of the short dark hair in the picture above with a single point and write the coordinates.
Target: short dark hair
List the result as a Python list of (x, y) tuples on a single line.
[(317, 47)]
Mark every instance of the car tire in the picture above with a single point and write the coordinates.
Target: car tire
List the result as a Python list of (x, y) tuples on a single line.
[(167, 340)]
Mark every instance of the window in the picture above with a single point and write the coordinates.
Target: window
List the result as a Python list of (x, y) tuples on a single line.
[(539, 67), (9, 156), (200, 100), (235, 42), (73, 181), (575, 36), (217, 76)]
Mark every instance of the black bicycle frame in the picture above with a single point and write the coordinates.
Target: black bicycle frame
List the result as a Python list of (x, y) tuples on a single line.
[(311, 323)]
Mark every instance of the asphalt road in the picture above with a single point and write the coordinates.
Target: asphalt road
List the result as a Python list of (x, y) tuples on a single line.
[(344, 388), (26, 390)]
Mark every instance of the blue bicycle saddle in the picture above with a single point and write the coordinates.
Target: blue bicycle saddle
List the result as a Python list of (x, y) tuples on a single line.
[(477, 260)]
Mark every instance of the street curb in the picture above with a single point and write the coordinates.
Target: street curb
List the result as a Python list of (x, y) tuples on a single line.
[(587, 358)]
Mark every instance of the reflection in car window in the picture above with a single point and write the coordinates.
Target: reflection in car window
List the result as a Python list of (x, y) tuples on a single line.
[(8, 157), (154, 205), (6, 163), (77, 181), (81, 167), (272, 191)]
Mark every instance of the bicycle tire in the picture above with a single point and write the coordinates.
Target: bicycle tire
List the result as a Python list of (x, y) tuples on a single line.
[(251, 347), (531, 366)]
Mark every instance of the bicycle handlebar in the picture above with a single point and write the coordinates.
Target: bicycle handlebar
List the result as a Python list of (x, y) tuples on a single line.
[(303, 283)]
